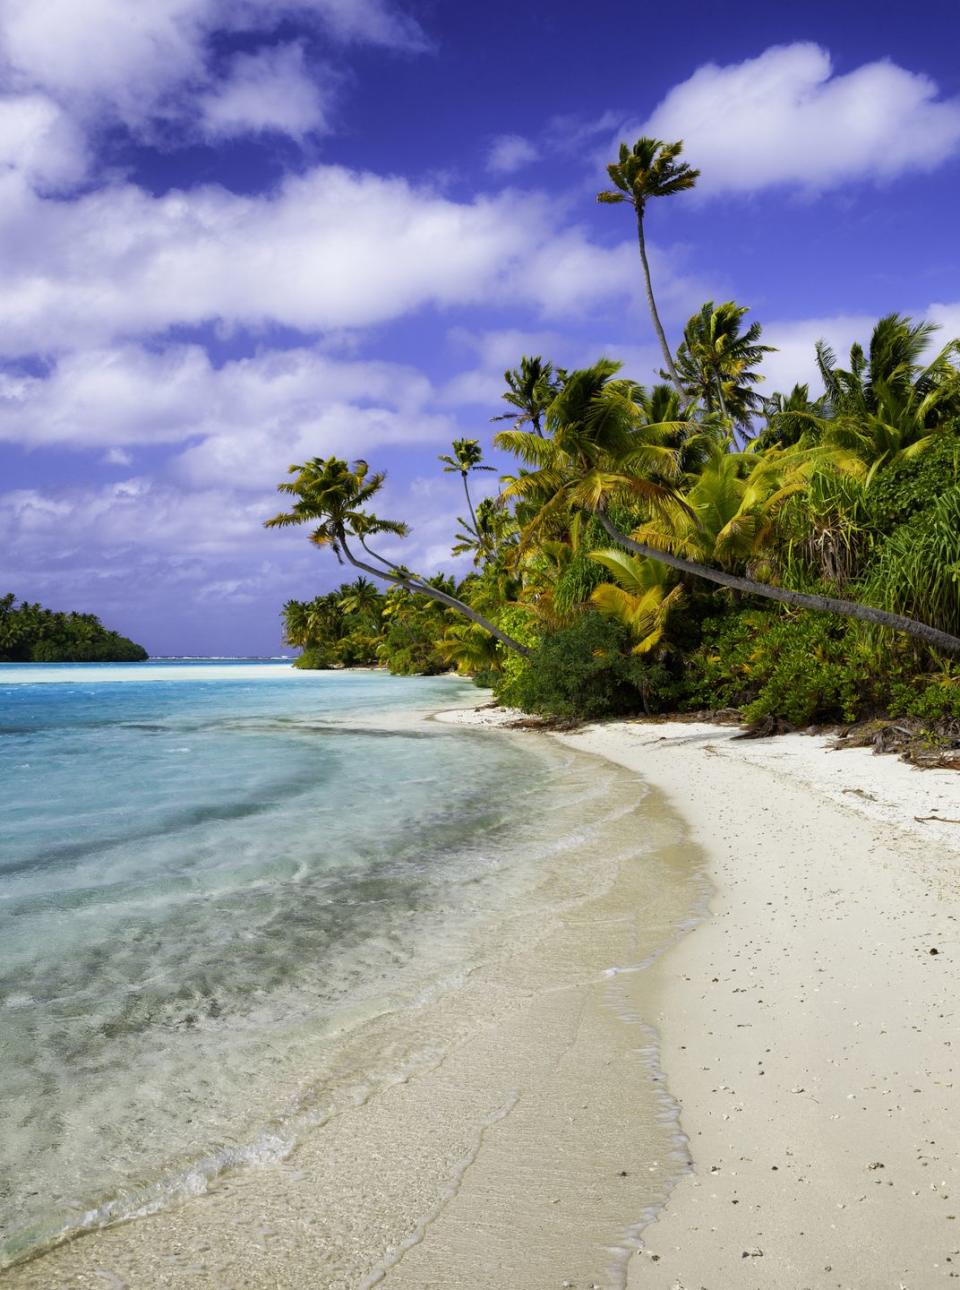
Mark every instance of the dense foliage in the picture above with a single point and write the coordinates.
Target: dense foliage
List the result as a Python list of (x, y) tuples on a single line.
[(31, 634), (687, 545)]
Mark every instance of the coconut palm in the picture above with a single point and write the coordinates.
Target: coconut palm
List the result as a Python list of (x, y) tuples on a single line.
[(600, 446), (716, 359), (296, 628), (361, 598), (334, 498), (531, 388), (650, 169), (467, 458), (791, 418), (888, 405)]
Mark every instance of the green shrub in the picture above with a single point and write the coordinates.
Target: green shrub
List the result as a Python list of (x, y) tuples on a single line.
[(911, 485), (931, 698), (315, 658), (587, 670), (800, 667)]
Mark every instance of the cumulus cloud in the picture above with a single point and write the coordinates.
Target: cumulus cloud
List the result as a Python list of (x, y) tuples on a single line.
[(139, 64), (244, 421), (328, 249), (510, 152), (268, 91), (786, 118), (40, 142)]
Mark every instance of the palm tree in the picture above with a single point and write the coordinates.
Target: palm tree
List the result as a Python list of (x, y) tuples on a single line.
[(467, 457), (715, 361), (361, 598), (790, 418), (641, 596), (650, 169), (296, 630), (531, 388), (600, 444), (888, 405), (335, 498), (602, 456)]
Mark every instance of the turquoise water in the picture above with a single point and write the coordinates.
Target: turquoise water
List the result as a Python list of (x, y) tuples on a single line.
[(209, 873)]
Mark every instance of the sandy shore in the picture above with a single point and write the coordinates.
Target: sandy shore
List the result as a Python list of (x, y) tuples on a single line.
[(809, 1029)]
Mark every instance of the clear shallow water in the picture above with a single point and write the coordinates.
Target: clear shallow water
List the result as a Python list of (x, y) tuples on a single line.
[(209, 874)]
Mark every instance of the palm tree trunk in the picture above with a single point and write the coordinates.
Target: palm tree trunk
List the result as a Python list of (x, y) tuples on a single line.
[(931, 636), (419, 588), (473, 514), (657, 325)]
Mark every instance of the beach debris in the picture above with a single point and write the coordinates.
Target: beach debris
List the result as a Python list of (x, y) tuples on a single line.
[(755, 1253), (934, 950), (876, 1164), (941, 819)]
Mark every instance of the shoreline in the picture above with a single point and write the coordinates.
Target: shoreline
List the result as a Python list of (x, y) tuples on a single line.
[(807, 1027), (524, 1126), (797, 1040)]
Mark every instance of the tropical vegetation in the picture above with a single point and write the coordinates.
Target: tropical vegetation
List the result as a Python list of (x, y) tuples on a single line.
[(31, 634), (692, 544)]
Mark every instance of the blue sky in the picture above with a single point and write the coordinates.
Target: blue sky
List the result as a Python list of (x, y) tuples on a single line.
[(237, 233)]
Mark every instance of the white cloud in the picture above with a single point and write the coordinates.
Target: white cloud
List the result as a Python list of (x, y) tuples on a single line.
[(38, 140), (247, 419), (509, 153), (145, 63), (785, 118), (268, 91), (795, 361), (328, 249), (127, 55)]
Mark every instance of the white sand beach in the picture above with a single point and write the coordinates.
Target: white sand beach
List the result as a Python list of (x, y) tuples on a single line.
[(809, 1028)]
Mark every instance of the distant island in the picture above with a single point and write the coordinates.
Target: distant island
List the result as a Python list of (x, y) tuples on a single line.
[(31, 634)]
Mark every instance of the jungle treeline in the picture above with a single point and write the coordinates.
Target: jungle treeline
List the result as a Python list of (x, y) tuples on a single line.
[(31, 634), (693, 543)]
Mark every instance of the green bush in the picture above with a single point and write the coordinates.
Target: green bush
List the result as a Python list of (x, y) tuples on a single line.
[(931, 698), (314, 659), (911, 485), (799, 667), (586, 670)]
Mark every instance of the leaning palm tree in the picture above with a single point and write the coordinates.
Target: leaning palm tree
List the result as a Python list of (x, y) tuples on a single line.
[(467, 457), (531, 388), (650, 169), (603, 458), (335, 498), (716, 361)]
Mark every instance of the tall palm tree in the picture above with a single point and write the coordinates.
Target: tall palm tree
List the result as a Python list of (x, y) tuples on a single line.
[(602, 457), (335, 498), (467, 457), (650, 169), (716, 359), (531, 388)]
